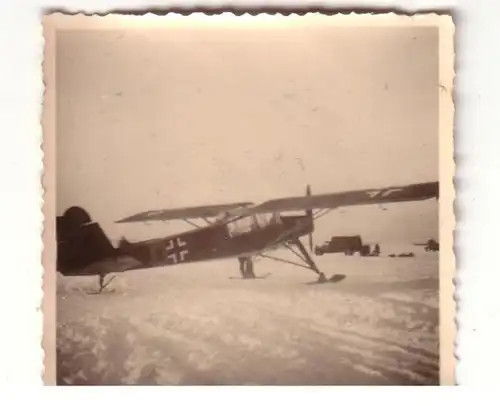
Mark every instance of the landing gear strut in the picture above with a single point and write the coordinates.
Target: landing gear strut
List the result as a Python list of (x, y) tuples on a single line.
[(309, 260), (303, 256), (246, 267), (102, 283)]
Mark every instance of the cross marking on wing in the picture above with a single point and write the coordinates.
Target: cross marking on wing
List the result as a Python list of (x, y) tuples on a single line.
[(384, 193)]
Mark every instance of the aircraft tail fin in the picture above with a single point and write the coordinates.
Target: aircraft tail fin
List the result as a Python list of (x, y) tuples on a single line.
[(123, 244), (80, 241)]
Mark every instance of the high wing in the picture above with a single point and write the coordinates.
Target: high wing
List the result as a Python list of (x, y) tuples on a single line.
[(393, 194), (184, 213)]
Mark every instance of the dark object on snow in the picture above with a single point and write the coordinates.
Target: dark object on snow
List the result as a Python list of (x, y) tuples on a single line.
[(341, 244)]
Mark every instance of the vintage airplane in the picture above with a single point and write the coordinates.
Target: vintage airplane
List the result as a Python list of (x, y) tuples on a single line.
[(430, 245), (238, 230)]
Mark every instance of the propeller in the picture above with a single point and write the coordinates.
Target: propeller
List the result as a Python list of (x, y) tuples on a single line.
[(310, 215)]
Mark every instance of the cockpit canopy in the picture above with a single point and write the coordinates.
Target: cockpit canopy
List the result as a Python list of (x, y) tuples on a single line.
[(251, 223)]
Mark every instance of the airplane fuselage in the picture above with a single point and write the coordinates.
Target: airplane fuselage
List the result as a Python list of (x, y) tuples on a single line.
[(216, 242)]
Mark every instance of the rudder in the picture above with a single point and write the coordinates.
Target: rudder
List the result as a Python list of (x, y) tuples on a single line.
[(80, 241)]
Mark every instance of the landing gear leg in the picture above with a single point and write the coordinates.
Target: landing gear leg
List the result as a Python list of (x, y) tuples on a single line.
[(246, 267), (310, 262), (102, 284), (242, 262), (249, 271)]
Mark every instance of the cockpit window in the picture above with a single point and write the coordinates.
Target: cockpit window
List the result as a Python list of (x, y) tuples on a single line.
[(241, 226), (265, 219), (251, 223), (262, 220), (221, 216)]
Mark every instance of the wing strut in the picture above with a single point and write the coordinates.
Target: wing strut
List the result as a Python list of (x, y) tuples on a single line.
[(322, 212), (192, 223)]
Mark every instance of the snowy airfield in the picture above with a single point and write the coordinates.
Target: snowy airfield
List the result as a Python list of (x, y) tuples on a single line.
[(199, 324)]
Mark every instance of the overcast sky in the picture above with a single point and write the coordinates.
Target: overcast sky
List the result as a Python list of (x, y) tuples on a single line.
[(150, 119)]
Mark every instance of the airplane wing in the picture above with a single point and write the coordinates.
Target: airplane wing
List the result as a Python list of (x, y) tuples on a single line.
[(394, 194), (183, 213)]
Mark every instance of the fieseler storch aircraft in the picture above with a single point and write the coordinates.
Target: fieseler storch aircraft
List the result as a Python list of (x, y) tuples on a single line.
[(240, 230)]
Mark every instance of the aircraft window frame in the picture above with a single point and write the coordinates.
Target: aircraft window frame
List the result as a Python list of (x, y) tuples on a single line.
[(267, 219), (252, 223), (261, 220), (241, 226), (275, 218)]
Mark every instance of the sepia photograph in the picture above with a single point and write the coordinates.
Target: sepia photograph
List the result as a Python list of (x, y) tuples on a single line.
[(249, 200)]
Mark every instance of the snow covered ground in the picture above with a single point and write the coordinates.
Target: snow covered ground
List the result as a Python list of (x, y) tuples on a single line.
[(198, 325)]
